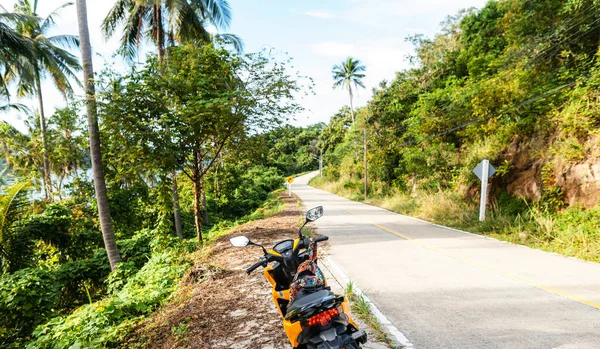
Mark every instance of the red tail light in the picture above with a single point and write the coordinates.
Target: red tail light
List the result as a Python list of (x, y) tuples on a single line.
[(323, 318)]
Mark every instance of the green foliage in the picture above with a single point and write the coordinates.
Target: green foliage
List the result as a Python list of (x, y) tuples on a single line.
[(15, 246), (27, 298), (184, 115), (290, 149), (196, 118), (254, 188), (334, 133), (515, 82), (104, 323)]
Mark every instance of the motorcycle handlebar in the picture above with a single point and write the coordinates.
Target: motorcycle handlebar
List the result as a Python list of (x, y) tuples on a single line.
[(264, 261), (256, 265), (322, 238)]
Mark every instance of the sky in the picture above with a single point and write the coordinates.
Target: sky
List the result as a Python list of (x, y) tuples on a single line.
[(317, 34)]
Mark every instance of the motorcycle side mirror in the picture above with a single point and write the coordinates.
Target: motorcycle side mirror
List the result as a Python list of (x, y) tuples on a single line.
[(242, 241), (314, 213), (239, 241), (311, 215)]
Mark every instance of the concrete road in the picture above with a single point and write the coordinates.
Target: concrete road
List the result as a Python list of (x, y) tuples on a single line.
[(449, 289)]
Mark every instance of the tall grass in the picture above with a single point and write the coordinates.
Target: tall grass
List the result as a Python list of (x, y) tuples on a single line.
[(573, 231)]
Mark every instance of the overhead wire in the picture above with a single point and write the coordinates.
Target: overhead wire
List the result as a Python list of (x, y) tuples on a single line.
[(595, 24), (538, 56), (555, 33)]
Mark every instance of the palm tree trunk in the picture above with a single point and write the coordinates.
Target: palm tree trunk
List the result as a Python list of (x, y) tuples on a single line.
[(159, 32), (106, 225), (161, 56), (351, 105), (46, 163), (176, 209), (197, 182)]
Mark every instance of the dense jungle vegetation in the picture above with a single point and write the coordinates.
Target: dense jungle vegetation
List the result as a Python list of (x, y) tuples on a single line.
[(515, 82), (195, 137), (193, 141)]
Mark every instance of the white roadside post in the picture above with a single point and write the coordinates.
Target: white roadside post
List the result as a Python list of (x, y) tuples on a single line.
[(484, 170), (289, 181)]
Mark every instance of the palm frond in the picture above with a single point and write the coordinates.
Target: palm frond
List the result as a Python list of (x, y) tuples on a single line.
[(187, 26), (116, 16), (22, 71), (12, 207), (231, 39), (13, 43), (68, 41), (133, 31), (14, 106), (60, 63), (358, 82), (347, 73), (217, 12), (49, 22)]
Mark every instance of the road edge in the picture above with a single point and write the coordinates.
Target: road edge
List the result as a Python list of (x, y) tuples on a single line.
[(538, 250), (339, 275)]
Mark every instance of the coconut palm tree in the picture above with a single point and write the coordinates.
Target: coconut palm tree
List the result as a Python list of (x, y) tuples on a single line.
[(166, 22), (106, 225), (50, 59), (13, 45), (346, 74)]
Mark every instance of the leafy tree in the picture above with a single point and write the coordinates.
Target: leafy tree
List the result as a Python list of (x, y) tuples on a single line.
[(21, 152), (290, 149), (225, 96), (334, 133), (208, 99), (492, 80), (68, 152), (346, 74), (7, 135), (167, 23), (94, 136)]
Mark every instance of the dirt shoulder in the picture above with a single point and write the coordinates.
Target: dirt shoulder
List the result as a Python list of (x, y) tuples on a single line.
[(218, 304)]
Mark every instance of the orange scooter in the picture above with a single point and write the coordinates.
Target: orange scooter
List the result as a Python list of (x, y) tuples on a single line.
[(313, 317)]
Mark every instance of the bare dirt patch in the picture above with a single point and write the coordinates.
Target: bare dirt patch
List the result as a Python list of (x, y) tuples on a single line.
[(218, 305)]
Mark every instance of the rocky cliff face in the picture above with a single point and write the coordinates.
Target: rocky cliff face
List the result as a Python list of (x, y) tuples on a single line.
[(579, 181)]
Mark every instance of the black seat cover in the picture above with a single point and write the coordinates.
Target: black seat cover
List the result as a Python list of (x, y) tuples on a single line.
[(304, 298)]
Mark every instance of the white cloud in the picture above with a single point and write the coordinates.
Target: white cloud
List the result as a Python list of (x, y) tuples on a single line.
[(319, 14)]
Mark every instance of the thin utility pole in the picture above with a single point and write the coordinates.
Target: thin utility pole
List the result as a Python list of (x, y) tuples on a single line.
[(321, 162), (365, 160)]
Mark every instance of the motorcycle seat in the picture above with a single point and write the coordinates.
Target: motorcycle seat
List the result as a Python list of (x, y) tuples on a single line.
[(305, 298)]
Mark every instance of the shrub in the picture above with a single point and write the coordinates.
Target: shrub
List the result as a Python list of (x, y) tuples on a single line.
[(104, 323), (27, 298)]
